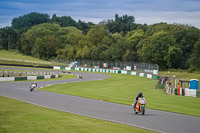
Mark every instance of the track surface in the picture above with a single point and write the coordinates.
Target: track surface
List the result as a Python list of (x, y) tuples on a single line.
[(159, 121)]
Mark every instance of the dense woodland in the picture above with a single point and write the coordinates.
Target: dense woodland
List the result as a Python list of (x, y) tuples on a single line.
[(119, 39)]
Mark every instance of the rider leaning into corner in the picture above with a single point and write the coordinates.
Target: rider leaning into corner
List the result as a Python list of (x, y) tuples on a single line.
[(33, 86), (140, 94)]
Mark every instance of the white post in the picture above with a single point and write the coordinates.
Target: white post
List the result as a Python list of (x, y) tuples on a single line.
[(175, 81)]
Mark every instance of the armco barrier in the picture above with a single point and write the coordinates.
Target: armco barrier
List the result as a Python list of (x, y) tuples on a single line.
[(150, 76)]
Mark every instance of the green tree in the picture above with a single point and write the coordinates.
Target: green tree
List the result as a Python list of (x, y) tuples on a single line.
[(29, 20), (174, 57), (195, 57), (156, 49), (186, 37), (117, 50), (46, 47), (130, 46), (125, 23), (97, 40), (40, 33), (63, 21), (8, 38)]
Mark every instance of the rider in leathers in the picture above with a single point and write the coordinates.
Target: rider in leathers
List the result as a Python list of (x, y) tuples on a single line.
[(140, 94)]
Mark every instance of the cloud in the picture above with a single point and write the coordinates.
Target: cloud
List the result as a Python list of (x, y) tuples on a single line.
[(145, 11)]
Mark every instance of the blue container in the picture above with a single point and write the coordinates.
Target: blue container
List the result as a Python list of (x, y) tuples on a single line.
[(194, 84)]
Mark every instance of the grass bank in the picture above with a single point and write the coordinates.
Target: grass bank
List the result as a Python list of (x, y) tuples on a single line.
[(123, 89), (14, 57), (20, 117), (181, 74)]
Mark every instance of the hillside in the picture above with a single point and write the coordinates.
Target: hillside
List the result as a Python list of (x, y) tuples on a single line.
[(14, 57)]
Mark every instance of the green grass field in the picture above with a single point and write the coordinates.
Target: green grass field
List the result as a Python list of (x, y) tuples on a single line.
[(20, 117), (123, 89)]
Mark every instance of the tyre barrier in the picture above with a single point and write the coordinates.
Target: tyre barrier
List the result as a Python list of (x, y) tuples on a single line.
[(150, 76)]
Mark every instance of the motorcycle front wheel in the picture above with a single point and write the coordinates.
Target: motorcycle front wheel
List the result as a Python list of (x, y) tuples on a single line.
[(143, 110)]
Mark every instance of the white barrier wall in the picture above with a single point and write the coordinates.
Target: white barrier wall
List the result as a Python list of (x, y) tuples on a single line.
[(56, 67), (7, 78), (124, 72), (133, 73), (141, 74), (67, 68), (190, 92), (47, 76), (56, 76), (31, 77), (149, 76)]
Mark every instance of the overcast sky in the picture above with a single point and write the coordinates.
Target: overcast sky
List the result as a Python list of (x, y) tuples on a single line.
[(144, 11)]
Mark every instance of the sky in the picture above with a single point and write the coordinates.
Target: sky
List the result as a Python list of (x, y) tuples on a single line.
[(144, 11)]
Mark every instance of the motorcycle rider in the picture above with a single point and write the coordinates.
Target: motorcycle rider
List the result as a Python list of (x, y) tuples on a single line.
[(139, 95), (33, 86)]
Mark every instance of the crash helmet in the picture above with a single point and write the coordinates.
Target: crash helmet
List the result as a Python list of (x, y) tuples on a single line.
[(140, 94)]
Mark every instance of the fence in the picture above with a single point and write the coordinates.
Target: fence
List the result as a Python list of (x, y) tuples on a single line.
[(135, 66)]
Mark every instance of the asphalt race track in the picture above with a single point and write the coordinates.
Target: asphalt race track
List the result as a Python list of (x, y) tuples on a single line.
[(158, 121)]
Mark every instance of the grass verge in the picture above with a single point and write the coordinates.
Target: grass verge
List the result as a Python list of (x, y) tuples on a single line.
[(20, 117), (123, 89)]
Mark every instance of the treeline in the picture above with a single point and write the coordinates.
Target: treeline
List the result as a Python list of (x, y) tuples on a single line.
[(168, 45)]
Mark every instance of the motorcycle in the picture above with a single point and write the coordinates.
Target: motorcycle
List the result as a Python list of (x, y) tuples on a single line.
[(80, 76), (140, 106), (64, 71), (33, 86)]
